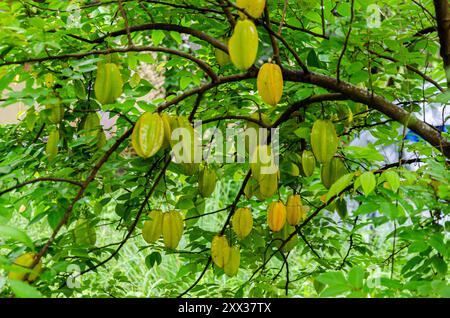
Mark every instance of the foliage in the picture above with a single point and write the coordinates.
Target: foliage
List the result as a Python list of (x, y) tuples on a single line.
[(337, 65)]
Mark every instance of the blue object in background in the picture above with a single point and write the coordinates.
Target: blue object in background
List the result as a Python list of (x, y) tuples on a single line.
[(413, 137)]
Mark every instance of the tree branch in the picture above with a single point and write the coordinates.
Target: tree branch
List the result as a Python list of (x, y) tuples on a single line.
[(79, 195), (44, 179), (203, 65), (374, 101), (411, 68), (443, 27), (347, 38)]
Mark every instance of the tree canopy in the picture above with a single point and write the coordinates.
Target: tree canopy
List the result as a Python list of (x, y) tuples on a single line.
[(78, 187)]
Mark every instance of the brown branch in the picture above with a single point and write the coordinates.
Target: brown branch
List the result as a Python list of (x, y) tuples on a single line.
[(208, 86), (425, 31), (236, 201), (411, 68), (348, 132), (196, 106), (206, 214), (344, 260), (112, 111), (236, 117), (443, 26), (306, 102), (322, 17), (424, 9), (127, 26), (79, 195), (347, 38), (374, 101), (288, 47), (276, 49), (187, 7), (309, 245), (37, 180), (198, 278), (203, 65), (227, 12), (166, 27), (299, 228), (135, 222), (38, 135)]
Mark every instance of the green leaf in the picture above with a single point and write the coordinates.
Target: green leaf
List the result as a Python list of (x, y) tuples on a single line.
[(15, 234), (185, 81), (356, 277), (185, 203), (157, 37), (80, 90), (303, 132), (23, 290), (313, 59), (332, 278), (334, 290), (364, 153), (437, 242), (368, 182), (176, 36), (135, 80), (153, 259), (337, 187), (393, 179)]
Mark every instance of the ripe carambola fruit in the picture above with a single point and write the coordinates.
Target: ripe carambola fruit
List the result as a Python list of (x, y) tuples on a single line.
[(21, 267), (56, 112), (84, 233), (242, 222), (108, 84), (294, 210), (148, 135), (270, 83), (152, 229), (220, 251), (51, 147), (253, 7), (332, 171), (172, 228), (243, 45), (276, 216), (206, 181), (324, 140), (308, 163), (231, 267)]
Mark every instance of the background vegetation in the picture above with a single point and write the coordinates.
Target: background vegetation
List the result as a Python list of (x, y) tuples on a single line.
[(382, 62)]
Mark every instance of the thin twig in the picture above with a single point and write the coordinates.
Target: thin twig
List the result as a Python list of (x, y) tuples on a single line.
[(127, 26), (43, 179), (347, 37)]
